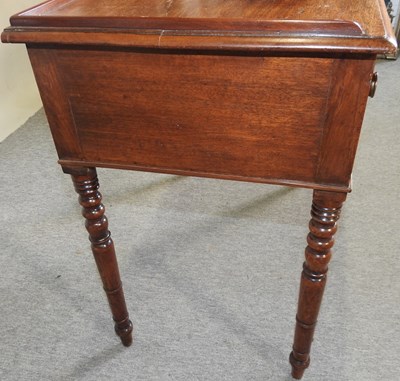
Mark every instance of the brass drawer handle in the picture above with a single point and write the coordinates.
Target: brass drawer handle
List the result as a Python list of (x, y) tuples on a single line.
[(373, 84)]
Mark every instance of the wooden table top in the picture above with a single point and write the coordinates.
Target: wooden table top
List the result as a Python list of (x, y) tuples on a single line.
[(364, 15), (360, 25)]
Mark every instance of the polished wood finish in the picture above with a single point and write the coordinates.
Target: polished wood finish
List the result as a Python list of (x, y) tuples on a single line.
[(324, 214), (332, 17), (86, 185), (265, 139), (257, 25), (270, 92)]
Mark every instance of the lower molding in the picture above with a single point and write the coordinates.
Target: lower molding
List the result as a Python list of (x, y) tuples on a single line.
[(173, 171)]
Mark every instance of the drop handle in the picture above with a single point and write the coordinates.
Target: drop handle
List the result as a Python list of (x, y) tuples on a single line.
[(373, 84)]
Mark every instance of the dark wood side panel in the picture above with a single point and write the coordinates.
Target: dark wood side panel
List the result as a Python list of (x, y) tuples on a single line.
[(56, 105), (350, 88), (235, 115)]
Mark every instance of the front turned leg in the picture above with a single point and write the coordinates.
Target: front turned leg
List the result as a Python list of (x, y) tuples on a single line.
[(324, 214), (87, 185)]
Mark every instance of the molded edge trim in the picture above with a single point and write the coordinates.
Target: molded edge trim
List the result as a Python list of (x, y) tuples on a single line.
[(199, 40), (172, 171), (292, 27)]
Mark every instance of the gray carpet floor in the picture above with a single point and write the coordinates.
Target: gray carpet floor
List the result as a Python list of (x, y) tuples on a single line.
[(210, 269)]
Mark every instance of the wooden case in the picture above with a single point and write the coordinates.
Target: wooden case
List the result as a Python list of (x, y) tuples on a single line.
[(254, 90)]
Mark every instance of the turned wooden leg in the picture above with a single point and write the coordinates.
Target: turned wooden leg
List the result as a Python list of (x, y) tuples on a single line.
[(87, 185), (324, 214)]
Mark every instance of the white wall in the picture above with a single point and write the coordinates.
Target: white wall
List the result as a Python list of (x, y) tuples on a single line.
[(19, 97)]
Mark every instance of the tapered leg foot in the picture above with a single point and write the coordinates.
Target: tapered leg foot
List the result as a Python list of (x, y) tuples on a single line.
[(124, 331), (324, 214), (87, 185), (298, 367)]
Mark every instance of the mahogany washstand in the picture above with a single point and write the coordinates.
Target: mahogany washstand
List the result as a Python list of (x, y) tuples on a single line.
[(263, 91)]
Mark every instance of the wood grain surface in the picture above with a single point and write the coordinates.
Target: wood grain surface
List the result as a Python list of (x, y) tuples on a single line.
[(218, 114), (335, 25), (366, 14)]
